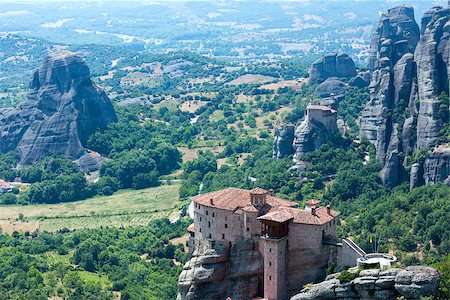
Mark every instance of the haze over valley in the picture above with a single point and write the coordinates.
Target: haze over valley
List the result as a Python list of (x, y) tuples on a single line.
[(224, 150)]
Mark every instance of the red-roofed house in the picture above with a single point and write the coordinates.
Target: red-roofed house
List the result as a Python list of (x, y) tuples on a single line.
[(296, 244), (5, 187)]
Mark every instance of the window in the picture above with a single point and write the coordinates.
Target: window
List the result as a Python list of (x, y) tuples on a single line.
[(223, 236), (270, 277), (200, 219), (270, 263), (226, 225), (206, 212), (270, 250), (214, 215), (209, 224), (248, 229)]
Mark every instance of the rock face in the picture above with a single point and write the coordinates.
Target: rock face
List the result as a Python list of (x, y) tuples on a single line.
[(433, 67), (216, 272), (309, 136), (409, 72), (413, 282), (62, 109), (359, 81), (401, 30), (282, 144), (332, 65), (330, 86), (436, 166)]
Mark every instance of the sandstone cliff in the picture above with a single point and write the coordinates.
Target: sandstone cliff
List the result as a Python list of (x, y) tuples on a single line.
[(332, 65), (63, 108), (409, 71), (412, 283)]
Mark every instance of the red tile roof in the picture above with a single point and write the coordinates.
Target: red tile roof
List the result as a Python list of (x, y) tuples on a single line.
[(5, 185), (283, 214), (278, 216), (191, 228), (313, 202), (233, 198), (258, 191), (320, 107)]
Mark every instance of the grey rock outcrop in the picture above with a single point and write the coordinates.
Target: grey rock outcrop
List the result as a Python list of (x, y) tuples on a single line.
[(309, 136), (401, 30), (409, 72), (216, 271), (359, 81), (63, 108), (282, 144), (433, 67), (331, 86), (413, 282), (437, 165), (332, 65)]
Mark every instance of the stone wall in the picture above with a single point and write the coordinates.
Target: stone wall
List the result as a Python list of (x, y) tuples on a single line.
[(308, 254), (217, 224)]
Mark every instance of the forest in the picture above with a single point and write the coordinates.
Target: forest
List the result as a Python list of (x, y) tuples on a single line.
[(137, 263)]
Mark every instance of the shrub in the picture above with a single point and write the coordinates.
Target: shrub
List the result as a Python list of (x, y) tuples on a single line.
[(347, 276)]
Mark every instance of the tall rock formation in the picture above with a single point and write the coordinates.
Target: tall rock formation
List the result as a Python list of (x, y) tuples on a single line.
[(218, 271), (409, 71), (319, 124), (332, 65), (433, 66), (282, 144), (63, 108)]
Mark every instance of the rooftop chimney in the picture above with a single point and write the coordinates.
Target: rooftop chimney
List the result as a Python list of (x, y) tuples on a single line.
[(329, 210), (311, 203), (211, 201)]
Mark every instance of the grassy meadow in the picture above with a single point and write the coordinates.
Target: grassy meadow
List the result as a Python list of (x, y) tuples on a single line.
[(124, 208)]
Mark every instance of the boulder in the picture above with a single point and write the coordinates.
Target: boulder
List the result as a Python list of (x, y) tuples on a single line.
[(330, 87), (412, 283), (62, 109), (417, 282), (359, 82), (332, 65)]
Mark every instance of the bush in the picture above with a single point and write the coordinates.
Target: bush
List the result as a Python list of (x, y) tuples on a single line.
[(8, 198), (347, 276)]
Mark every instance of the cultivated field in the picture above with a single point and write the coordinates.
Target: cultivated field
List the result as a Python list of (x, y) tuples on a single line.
[(125, 208)]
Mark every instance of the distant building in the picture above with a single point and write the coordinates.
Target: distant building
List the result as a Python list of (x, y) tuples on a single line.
[(5, 187), (296, 244), (323, 115)]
